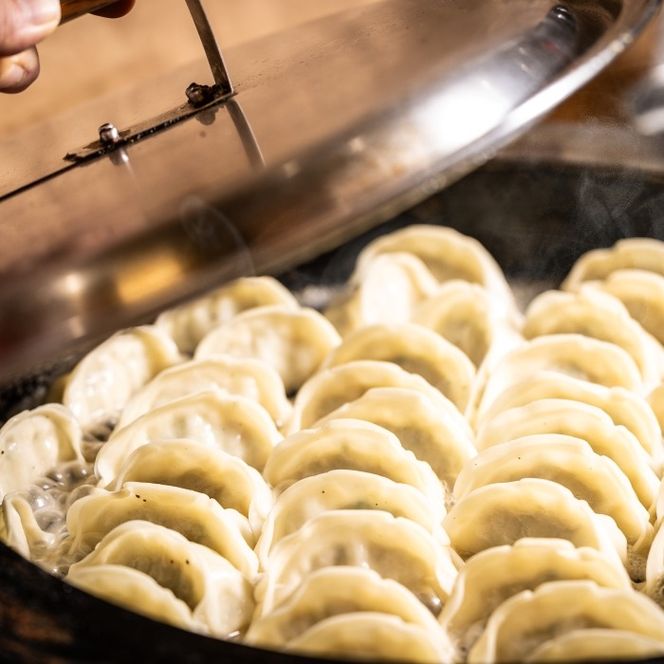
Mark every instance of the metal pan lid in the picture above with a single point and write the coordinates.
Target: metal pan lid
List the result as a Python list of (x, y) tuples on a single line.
[(335, 125)]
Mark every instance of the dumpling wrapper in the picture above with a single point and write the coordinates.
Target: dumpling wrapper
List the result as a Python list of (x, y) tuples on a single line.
[(622, 406), (656, 401), (574, 418), (447, 253), (415, 349), (395, 548), (388, 291), (642, 293), (435, 433), (493, 576), (597, 645), (559, 607), (632, 253), (230, 481), (654, 586), (188, 324), (195, 516), (102, 383), (344, 490), (293, 342), (236, 425), (571, 463), (332, 388), (134, 591), (242, 377), (33, 442), (217, 594), (335, 591), (466, 315), (505, 513), (20, 530), (374, 637), (597, 315), (573, 355), (351, 445)]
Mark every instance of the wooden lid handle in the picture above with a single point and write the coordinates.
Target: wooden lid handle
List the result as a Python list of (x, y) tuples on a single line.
[(74, 8)]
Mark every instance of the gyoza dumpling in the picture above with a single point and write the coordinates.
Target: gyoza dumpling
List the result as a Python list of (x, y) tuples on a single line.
[(236, 425), (293, 342), (529, 619), (351, 445), (390, 287), (342, 490), (395, 548), (622, 406), (435, 432), (659, 505), (467, 315), (192, 514), (336, 591), (504, 513), (640, 253), (571, 463), (597, 645), (19, 529), (578, 419), (217, 594), (374, 637), (242, 377), (656, 401), (102, 383), (415, 349), (135, 591), (189, 323), (447, 253), (35, 441), (655, 568), (189, 465), (642, 293), (570, 354), (335, 387), (597, 315), (493, 576)]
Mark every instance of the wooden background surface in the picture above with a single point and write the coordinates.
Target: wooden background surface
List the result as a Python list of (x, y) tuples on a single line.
[(92, 56)]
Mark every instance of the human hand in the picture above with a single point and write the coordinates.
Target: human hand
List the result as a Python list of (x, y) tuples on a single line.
[(23, 24)]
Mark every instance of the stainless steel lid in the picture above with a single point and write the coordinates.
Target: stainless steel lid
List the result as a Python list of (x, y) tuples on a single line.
[(335, 125)]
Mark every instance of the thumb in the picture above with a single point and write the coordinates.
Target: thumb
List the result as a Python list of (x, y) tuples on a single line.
[(23, 23)]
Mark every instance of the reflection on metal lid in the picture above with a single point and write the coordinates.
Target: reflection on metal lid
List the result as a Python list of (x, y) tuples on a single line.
[(336, 125)]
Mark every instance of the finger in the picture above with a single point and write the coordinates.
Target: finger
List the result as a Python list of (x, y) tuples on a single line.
[(23, 23), (17, 72), (117, 9)]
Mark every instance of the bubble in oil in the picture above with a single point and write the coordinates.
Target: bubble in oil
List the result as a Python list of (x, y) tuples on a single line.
[(56, 476), (36, 498), (47, 485), (431, 601), (50, 521)]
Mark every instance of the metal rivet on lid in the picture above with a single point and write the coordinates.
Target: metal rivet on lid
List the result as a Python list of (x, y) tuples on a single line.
[(109, 134)]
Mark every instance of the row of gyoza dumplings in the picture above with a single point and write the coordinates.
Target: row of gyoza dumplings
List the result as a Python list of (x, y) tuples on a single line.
[(382, 432), (566, 438)]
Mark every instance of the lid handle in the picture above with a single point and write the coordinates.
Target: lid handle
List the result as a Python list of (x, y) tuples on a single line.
[(74, 8)]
